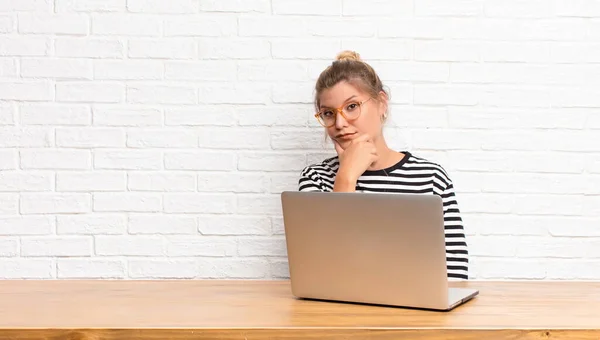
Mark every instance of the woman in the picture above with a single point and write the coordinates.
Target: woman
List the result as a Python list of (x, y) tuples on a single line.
[(352, 106)]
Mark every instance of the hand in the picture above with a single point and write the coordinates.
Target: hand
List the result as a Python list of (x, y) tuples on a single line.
[(356, 157)]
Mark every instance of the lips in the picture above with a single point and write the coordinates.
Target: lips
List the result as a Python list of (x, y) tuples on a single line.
[(345, 135)]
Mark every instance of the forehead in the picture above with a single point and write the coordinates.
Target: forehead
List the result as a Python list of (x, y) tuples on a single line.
[(338, 94)]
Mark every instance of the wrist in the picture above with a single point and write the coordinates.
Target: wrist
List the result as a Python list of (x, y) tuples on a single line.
[(344, 183)]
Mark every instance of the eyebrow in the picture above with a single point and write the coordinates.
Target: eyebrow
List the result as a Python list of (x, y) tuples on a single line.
[(327, 107)]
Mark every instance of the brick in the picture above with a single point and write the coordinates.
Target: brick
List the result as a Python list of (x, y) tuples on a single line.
[(91, 224), (55, 114), (487, 203), (127, 160), (67, 24), (500, 73), (234, 93), (577, 8), (445, 8), (272, 70), (333, 27), (508, 268), (273, 116), (8, 67), (572, 269), (15, 181), (7, 114), (558, 248), (453, 139), (253, 203), (128, 70), (545, 204), (233, 48), (161, 7), (26, 5), (497, 246), (509, 51), (199, 203), (199, 160), (25, 90), (200, 70), (394, 49), (518, 9), (24, 46), (296, 93), (96, 48), (571, 226), (421, 28), (96, 92), (200, 115), (255, 6), (171, 138), (127, 116), (20, 268), (130, 246), (175, 48), (445, 95), (233, 138), (238, 182), (161, 94), (297, 139), (280, 269), (278, 227), (127, 202), (85, 268), (161, 181), (54, 203), (307, 7), (9, 204), (91, 5), (91, 181), (276, 26), (446, 51), (488, 161), (201, 26), (235, 268), (535, 183), (206, 246), (90, 137), (9, 247), (56, 246), (126, 24), (504, 225), (162, 269), (421, 117), (283, 182), (257, 161), (262, 247), (398, 9), (305, 48), (56, 68), (26, 225), (6, 24), (234, 225), (572, 97), (55, 159), (162, 224)]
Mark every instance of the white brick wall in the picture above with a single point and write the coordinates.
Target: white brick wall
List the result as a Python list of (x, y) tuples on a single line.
[(151, 139)]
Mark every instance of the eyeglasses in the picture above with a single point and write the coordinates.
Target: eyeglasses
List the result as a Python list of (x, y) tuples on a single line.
[(349, 111)]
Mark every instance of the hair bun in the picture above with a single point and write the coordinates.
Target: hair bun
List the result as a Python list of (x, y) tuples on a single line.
[(348, 55)]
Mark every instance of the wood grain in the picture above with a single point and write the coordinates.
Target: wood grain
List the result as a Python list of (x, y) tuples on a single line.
[(191, 309)]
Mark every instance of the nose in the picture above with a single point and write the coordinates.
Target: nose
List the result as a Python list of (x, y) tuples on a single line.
[(340, 121)]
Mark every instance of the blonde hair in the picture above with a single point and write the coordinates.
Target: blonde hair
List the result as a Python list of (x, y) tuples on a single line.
[(349, 67)]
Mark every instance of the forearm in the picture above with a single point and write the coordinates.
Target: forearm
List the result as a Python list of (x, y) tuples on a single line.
[(344, 184)]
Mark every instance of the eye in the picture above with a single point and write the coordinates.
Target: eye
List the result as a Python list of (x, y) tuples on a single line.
[(327, 113), (352, 106)]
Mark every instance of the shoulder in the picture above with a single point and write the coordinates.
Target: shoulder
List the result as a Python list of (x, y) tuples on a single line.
[(417, 162), (326, 167)]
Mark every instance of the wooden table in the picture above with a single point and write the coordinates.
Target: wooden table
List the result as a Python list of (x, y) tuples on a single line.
[(266, 310)]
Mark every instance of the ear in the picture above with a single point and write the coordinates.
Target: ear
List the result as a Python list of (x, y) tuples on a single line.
[(383, 104)]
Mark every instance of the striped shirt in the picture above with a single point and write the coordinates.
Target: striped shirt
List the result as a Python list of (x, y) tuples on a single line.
[(411, 175)]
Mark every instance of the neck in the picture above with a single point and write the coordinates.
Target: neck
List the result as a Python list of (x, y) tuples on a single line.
[(387, 157)]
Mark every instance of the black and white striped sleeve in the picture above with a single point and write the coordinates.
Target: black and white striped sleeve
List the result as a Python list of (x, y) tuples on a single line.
[(456, 244), (310, 180)]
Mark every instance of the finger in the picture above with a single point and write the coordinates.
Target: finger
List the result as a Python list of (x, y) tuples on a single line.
[(362, 138)]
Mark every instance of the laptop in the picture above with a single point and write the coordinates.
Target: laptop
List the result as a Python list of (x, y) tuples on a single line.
[(372, 248)]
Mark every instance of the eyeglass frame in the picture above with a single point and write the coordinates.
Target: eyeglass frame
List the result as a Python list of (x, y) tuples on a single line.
[(340, 110)]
